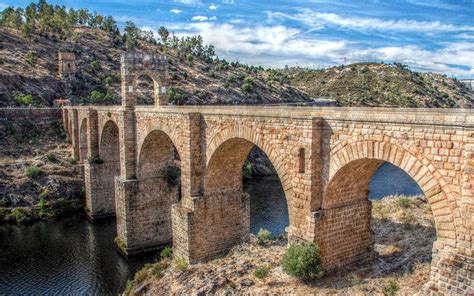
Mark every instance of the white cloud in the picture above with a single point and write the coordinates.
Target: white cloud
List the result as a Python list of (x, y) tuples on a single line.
[(277, 40), (213, 18), (200, 18), (213, 7), (175, 11), (3, 6), (320, 20), (277, 46), (188, 2)]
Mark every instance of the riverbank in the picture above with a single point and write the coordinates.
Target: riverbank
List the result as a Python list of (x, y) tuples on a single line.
[(403, 235), (39, 179)]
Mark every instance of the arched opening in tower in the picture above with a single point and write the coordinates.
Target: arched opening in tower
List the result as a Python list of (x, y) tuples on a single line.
[(145, 90)]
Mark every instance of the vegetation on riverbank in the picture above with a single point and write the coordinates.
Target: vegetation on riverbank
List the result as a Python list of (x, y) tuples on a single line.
[(403, 236), (38, 178)]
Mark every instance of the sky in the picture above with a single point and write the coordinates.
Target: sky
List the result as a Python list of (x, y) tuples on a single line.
[(436, 35)]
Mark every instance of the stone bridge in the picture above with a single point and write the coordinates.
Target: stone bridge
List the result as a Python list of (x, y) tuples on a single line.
[(324, 158)]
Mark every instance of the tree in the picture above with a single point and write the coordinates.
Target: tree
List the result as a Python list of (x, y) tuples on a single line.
[(131, 36), (164, 34), (31, 14), (12, 18)]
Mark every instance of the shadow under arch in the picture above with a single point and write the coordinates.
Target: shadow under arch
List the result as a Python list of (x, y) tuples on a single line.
[(158, 175), (109, 151), (83, 146), (346, 221)]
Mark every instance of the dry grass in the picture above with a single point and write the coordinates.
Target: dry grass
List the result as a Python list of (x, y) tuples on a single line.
[(401, 263)]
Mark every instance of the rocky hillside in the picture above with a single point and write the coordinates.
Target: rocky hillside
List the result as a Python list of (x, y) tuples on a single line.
[(371, 84), (28, 66)]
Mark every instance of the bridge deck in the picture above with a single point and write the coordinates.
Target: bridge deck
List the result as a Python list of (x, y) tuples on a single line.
[(431, 116)]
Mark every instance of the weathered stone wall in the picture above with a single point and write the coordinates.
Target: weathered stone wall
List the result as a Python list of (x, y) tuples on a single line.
[(26, 121)]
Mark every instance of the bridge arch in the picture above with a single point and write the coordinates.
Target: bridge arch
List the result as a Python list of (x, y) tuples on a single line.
[(248, 135), (158, 175), (83, 145), (347, 188)]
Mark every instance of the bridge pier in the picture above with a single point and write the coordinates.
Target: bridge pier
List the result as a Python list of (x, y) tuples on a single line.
[(144, 214), (215, 224), (99, 188)]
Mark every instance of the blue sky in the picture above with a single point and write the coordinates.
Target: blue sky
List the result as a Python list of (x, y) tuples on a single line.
[(427, 35)]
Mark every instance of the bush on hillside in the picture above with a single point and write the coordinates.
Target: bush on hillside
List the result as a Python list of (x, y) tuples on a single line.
[(303, 261)]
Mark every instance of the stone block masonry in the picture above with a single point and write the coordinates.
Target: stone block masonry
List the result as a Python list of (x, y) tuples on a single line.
[(324, 158), (26, 121)]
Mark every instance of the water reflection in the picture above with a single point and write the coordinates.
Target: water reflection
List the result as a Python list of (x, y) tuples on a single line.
[(69, 256), (268, 207)]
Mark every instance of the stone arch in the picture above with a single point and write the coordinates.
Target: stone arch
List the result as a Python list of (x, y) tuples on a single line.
[(224, 199), (83, 139), (136, 65), (345, 198), (171, 132), (156, 81), (109, 148), (249, 135), (158, 174)]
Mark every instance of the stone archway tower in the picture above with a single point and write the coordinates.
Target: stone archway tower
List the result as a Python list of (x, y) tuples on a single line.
[(134, 65)]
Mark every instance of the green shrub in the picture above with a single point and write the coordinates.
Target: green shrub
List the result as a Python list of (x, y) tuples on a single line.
[(247, 87), (303, 261), (32, 171), (42, 207), (24, 100), (180, 263), (95, 160), (100, 97), (95, 65), (120, 244), (189, 58), (264, 236), (19, 215), (248, 80), (72, 161), (230, 79), (166, 252), (175, 96), (112, 79), (141, 275), (247, 169), (403, 202), (31, 57), (44, 194), (261, 272), (51, 157), (158, 269), (128, 288), (391, 288)]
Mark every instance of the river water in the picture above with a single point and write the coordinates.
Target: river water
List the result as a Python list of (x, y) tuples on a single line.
[(73, 256)]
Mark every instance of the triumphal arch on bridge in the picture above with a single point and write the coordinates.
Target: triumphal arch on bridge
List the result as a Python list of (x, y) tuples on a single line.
[(324, 157)]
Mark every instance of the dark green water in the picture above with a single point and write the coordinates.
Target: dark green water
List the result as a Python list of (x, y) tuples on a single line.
[(69, 256)]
